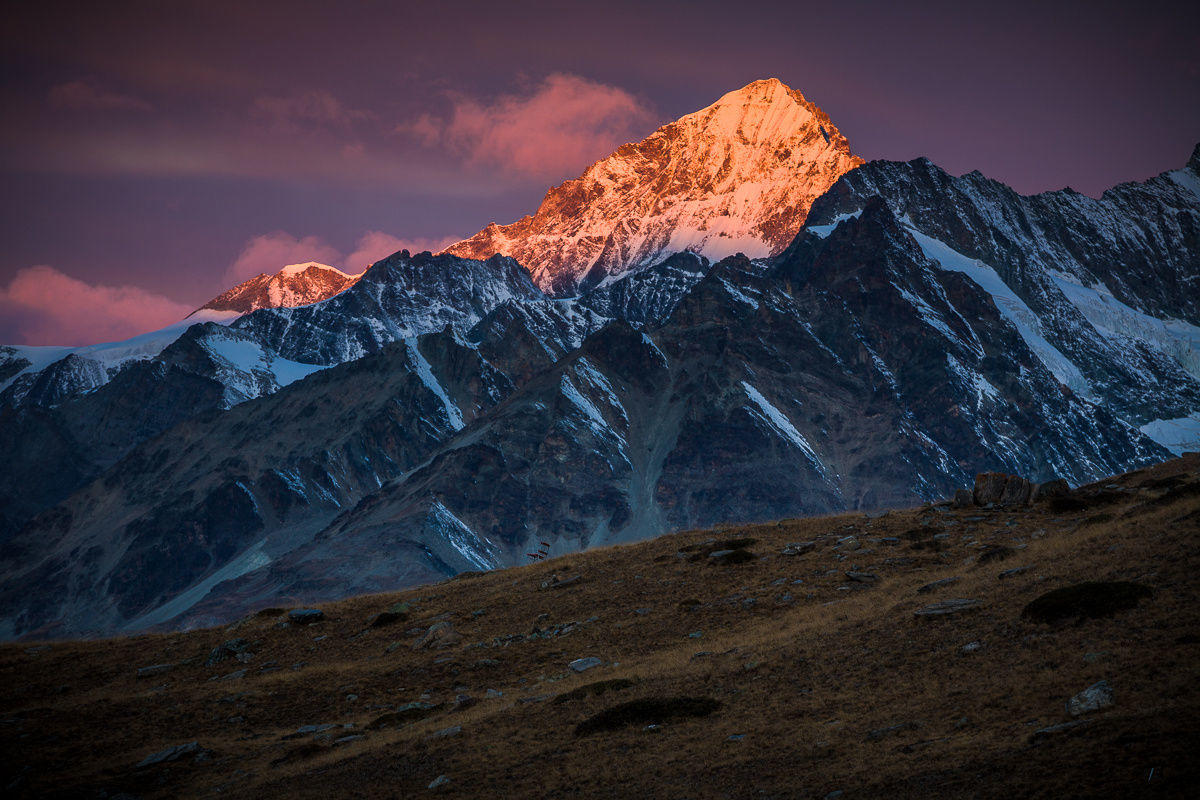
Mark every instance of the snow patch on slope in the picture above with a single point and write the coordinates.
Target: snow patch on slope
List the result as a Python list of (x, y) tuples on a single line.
[(1010, 306), (246, 359), (983, 388), (474, 548), (775, 419), (586, 406), (929, 314), (824, 230), (425, 372), (650, 343), (1113, 319), (1177, 435), (593, 376), (1187, 179)]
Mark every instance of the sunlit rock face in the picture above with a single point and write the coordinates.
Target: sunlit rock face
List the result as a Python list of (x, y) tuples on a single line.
[(738, 176), (294, 285)]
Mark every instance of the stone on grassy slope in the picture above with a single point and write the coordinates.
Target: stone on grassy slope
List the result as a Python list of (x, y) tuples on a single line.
[(171, 754), (1088, 600), (1094, 698), (736, 556), (226, 650), (938, 584), (997, 488), (439, 635), (151, 671), (555, 582), (946, 608)]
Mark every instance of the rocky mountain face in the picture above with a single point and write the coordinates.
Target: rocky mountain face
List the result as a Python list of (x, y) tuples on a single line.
[(294, 285), (58, 443), (48, 376), (1106, 291), (67, 431), (445, 414), (870, 364), (738, 176), (398, 297)]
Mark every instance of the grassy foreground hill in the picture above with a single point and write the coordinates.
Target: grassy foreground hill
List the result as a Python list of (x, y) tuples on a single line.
[(803, 658)]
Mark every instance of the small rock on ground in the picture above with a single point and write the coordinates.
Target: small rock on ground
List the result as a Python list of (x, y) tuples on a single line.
[(929, 587), (157, 669), (947, 607), (439, 635), (171, 754), (584, 664), (1094, 698), (555, 582)]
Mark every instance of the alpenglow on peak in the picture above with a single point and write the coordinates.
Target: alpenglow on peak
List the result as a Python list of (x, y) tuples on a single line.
[(294, 285), (737, 176)]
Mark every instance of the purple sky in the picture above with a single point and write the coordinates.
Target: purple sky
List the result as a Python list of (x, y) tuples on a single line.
[(155, 152)]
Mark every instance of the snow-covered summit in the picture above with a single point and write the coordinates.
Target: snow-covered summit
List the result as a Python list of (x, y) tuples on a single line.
[(737, 176), (294, 285), (297, 269)]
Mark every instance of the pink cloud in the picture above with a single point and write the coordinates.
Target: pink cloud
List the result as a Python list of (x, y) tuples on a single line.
[(564, 124), (87, 96), (45, 306), (271, 252), (375, 245)]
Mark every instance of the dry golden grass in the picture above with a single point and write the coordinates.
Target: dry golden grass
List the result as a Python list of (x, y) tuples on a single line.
[(802, 683)]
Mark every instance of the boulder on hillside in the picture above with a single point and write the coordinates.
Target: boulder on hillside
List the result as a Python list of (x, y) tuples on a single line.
[(999, 489), (1096, 697), (1002, 490), (305, 616), (439, 635), (1088, 600), (1055, 488)]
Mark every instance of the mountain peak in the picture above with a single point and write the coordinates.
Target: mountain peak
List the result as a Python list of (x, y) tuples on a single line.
[(736, 176), (297, 269), (294, 285), (769, 89)]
